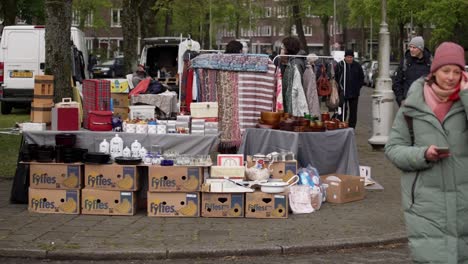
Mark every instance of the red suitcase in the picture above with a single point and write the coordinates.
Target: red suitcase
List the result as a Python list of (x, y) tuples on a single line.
[(96, 96), (66, 115), (100, 120)]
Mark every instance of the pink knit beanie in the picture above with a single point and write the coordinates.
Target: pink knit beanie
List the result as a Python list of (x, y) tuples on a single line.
[(448, 53)]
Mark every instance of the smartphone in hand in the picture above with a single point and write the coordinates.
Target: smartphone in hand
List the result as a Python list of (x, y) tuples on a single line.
[(442, 150)]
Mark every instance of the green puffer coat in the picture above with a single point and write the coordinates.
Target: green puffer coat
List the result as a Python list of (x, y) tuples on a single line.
[(434, 194)]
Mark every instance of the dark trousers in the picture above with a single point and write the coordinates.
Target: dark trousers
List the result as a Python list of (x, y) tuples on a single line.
[(350, 109)]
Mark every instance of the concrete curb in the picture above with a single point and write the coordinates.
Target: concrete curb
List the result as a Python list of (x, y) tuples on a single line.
[(313, 247)]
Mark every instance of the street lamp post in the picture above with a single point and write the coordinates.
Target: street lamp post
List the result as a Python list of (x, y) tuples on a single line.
[(382, 99)]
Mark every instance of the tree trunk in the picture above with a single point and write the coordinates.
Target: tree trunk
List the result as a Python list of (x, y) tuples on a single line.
[(146, 17), (326, 36), (58, 46), (401, 50), (9, 9), (299, 29), (130, 36)]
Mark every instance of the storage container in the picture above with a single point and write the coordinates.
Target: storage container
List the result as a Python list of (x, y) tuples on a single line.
[(142, 112), (205, 109)]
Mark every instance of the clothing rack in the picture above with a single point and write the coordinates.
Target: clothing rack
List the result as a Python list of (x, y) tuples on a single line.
[(320, 57)]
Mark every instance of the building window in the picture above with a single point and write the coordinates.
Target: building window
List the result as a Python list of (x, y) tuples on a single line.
[(89, 20), (115, 17), (267, 11), (265, 31), (307, 31), (89, 44), (75, 18)]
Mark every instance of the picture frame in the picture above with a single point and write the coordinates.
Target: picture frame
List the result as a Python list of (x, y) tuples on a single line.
[(230, 160)]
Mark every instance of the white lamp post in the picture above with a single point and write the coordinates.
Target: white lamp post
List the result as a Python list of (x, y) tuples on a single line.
[(383, 98)]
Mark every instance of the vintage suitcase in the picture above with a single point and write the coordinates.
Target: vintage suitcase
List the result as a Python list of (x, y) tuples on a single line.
[(100, 121), (96, 96), (205, 109), (66, 115)]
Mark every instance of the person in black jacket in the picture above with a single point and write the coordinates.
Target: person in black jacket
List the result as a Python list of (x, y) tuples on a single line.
[(353, 76), (416, 63)]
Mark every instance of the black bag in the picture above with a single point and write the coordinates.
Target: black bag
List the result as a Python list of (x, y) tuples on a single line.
[(19, 189)]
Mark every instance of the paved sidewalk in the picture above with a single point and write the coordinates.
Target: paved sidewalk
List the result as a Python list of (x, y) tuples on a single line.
[(375, 220)]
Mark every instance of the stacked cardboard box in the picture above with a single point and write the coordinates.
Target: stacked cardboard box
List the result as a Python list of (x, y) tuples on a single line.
[(120, 103), (109, 189), (43, 100), (55, 188), (174, 191)]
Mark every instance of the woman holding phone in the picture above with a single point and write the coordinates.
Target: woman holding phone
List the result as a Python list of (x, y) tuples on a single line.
[(429, 143)]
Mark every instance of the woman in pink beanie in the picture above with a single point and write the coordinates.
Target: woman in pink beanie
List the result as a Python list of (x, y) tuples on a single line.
[(429, 143)]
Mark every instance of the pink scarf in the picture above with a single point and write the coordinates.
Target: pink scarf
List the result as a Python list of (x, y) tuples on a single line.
[(440, 100)]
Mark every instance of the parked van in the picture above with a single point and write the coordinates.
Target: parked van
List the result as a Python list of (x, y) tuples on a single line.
[(162, 58), (22, 56)]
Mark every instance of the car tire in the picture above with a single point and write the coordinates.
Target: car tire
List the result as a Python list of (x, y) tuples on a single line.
[(6, 108)]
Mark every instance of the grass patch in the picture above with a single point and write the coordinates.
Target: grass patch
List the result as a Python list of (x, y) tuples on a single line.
[(10, 143)]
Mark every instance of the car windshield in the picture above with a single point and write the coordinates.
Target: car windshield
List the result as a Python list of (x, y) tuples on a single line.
[(108, 63)]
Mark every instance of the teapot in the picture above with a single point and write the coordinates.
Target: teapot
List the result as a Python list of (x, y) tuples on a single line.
[(258, 173)]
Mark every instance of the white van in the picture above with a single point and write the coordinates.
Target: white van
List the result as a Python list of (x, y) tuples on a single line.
[(22, 56)]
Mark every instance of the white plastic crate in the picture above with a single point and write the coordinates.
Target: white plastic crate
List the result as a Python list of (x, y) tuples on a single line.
[(205, 109), (142, 112)]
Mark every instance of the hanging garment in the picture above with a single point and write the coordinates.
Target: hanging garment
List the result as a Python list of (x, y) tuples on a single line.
[(310, 90), (279, 90), (256, 94), (189, 88), (298, 98)]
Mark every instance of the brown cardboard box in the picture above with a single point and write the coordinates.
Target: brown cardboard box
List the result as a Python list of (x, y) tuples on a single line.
[(266, 205), (173, 204), (122, 112), (103, 202), (55, 175), (350, 188), (120, 99), (54, 201), (111, 177), (174, 179), (279, 169), (222, 205)]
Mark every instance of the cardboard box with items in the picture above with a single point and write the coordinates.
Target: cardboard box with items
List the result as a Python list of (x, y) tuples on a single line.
[(173, 204), (55, 176), (103, 202), (111, 177), (266, 205), (54, 201), (175, 179), (343, 188), (222, 205)]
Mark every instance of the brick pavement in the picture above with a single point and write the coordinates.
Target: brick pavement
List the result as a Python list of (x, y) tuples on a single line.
[(375, 220)]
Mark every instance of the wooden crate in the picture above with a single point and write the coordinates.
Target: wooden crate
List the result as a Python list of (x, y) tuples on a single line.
[(41, 112), (43, 86)]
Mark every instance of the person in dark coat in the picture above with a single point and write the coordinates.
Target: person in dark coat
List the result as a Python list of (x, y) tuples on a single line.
[(353, 76), (416, 63), (233, 47)]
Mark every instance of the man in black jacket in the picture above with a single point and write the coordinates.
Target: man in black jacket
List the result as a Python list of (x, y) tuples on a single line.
[(354, 78), (416, 63)]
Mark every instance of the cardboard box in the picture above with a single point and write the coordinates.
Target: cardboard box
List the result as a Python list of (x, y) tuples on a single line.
[(231, 172), (111, 177), (174, 179), (266, 205), (119, 85), (103, 202), (173, 204), (121, 111), (56, 176), (54, 201), (347, 189), (279, 169), (222, 205), (120, 99)]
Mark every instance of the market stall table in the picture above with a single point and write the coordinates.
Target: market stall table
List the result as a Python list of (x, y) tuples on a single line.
[(331, 151), (180, 143)]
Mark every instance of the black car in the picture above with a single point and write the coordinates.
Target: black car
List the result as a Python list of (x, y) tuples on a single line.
[(393, 67), (110, 69)]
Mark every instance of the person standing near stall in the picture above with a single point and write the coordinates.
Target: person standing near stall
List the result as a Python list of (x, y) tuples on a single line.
[(353, 76), (428, 142)]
